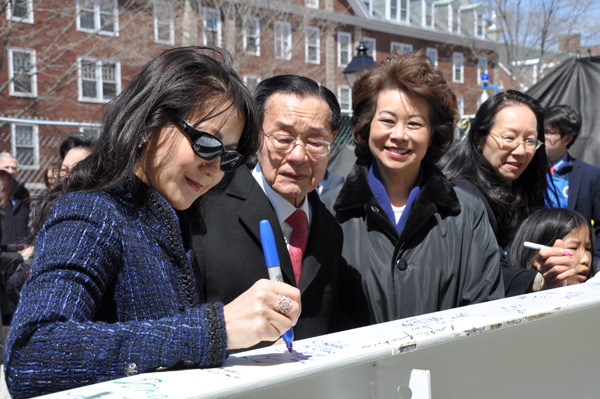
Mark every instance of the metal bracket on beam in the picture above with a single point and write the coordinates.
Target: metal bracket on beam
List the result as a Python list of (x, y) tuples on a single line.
[(390, 382)]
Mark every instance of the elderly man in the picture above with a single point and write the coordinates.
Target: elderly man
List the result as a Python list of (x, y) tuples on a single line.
[(300, 119)]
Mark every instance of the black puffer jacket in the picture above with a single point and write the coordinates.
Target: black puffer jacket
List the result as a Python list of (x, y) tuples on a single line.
[(446, 257)]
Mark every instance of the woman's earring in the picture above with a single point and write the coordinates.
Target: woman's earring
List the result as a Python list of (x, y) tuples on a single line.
[(142, 142)]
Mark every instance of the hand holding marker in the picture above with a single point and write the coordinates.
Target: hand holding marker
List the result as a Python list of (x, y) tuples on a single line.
[(535, 246), (272, 259)]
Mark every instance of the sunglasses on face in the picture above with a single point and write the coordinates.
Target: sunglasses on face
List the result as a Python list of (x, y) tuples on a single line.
[(208, 147)]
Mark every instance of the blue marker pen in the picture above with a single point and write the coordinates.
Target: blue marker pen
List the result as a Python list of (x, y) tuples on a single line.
[(272, 259)]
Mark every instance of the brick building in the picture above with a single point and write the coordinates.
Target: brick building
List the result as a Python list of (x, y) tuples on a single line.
[(62, 60)]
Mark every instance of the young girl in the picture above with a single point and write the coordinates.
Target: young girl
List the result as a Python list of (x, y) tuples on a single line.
[(114, 289), (570, 237)]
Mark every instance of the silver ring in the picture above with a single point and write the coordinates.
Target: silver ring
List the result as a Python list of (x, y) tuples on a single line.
[(285, 304)]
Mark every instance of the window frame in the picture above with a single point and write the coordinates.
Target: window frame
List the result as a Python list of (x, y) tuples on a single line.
[(429, 51), (219, 31), (35, 145), (283, 36), (99, 63), (368, 4), (398, 17), (27, 19), (97, 13), (460, 106), (32, 73), (317, 45), (455, 56), (479, 23), (251, 76), (255, 21), (372, 49), (454, 16), (311, 4), (404, 47), (169, 23), (340, 48), (346, 111), (428, 4)]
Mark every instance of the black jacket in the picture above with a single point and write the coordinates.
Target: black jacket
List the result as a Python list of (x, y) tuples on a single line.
[(446, 257)]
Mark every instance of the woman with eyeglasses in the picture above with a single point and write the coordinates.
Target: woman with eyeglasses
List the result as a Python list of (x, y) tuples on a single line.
[(500, 161), (114, 290), (413, 243)]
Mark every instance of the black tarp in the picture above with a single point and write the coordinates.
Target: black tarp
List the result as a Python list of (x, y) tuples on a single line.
[(576, 82)]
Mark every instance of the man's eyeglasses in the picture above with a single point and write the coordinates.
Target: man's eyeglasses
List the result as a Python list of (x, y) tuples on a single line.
[(284, 143), (208, 147), (511, 143)]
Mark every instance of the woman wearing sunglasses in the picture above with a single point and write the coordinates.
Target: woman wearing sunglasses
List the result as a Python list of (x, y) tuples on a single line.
[(502, 161), (114, 290)]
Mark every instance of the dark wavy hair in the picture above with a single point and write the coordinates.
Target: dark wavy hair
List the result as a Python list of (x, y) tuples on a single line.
[(513, 201), (414, 74), (564, 118), (176, 84), (544, 226)]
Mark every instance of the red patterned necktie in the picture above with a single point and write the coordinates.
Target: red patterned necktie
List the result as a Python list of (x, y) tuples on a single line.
[(297, 243)]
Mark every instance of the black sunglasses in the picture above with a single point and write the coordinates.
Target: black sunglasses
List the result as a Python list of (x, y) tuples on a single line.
[(208, 147)]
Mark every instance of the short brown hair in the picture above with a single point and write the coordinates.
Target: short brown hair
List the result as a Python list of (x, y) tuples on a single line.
[(414, 74)]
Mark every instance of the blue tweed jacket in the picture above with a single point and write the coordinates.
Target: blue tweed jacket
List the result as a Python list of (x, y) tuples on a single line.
[(112, 292)]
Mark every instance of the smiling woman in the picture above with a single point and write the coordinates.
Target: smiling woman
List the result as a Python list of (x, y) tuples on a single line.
[(113, 290), (422, 247)]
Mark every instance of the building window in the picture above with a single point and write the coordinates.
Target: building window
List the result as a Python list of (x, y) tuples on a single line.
[(428, 14), (311, 3), (283, 40), (455, 17), (212, 27), (20, 10), (22, 72), (482, 67), (397, 10), (98, 80), (458, 68), (25, 147), (98, 16), (344, 48), (90, 130), (432, 53), (251, 35), (460, 102), (369, 6), (479, 24), (345, 99), (313, 47), (371, 47), (401, 47), (251, 82), (163, 22)]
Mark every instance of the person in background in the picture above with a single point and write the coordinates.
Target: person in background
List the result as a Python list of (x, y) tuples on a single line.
[(50, 178), (300, 120), (72, 150), (498, 160), (330, 181), (567, 232), (413, 243), (577, 183), (114, 289), (15, 220)]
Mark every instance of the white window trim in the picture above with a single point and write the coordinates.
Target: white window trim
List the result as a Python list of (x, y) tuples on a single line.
[(432, 50), (388, 14), (205, 12), (11, 73), (285, 28), (479, 71), (256, 22), (318, 45), (99, 62), (369, 7), (455, 56), (454, 9), (479, 21), (251, 76), (404, 47), (371, 43), (96, 30), (311, 3), (460, 105), (348, 110), (171, 22), (36, 145), (28, 19), (340, 48)]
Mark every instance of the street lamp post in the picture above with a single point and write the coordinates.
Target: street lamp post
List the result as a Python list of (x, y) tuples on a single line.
[(361, 62)]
